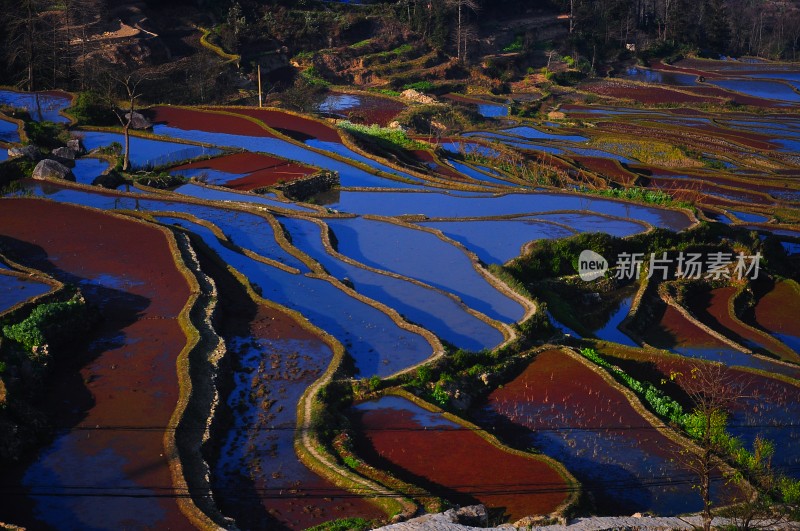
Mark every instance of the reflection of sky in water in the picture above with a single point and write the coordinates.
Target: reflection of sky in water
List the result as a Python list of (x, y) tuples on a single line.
[(731, 357), (8, 132), (429, 308), (377, 345), (478, 175), (421, 416), (749, 217), (86, 170), (72, 477), (492, 111), (791, 247), (48, 104), (212, 194), (349, 175), (535, 134), (761, 89), (423, 256), (587, 152), (14, 290), (342, 150), (646, 75), (496, 242), (465, 205), (515, 142), (339, 102), (147, 152), (610, 331)]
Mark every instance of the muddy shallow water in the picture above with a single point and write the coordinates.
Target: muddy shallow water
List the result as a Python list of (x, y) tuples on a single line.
[(451, 461), (568, 412), (127, 378)]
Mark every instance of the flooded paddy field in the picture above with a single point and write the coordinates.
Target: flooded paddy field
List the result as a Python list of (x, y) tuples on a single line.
[(567, 411), (426, 448), (324, 303), (126, 375)]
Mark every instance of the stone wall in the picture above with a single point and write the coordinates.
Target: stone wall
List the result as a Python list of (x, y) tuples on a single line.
[(302, 189)]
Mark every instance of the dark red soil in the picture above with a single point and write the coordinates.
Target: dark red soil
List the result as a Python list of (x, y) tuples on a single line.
[(128, 375), (458, 464), (707, 189), (257, 170), (674, 330), (290, 123), (778, 310), (606, 168), (716, 315), (375, 109), (741, 99), (197, 120), (554, 377), (646, 94)]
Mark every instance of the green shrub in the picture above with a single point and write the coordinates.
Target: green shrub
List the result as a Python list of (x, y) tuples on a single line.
[(46, 134), (440, 396), (343, 524), (50, 324), (420, 86), (396, 137), (90, 109), (515, 45)]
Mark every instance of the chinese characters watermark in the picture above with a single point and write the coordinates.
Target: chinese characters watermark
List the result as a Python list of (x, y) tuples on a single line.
[(713, 266)]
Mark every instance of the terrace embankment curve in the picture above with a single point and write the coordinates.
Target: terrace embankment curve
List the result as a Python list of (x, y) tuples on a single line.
[(126, 384)]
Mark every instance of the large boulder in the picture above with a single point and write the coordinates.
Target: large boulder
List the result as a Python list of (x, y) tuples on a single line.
[(65, 153), (51, 169), (29, 152), (418, 97), (75, 145), (138, 121), (111, 180)]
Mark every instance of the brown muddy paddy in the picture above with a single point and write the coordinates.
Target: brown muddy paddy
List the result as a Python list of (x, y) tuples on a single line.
[(561, 407), (428, 450), (106, 466), (245, 171), (257, 478)]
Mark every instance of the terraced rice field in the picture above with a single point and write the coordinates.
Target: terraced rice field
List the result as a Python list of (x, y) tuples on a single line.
[(353, 288)]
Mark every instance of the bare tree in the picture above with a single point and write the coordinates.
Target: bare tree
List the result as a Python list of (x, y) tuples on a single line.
[(713, 390), (461, 35), (130, 85), (24, 44)]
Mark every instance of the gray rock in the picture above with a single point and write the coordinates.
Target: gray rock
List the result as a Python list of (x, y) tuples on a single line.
[(51, 169), (139, 121), (29, 152), (75, 145), (473, 515), (109, 180), (65, 153)]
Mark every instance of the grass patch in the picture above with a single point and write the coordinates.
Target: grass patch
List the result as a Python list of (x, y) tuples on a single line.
[(395, 137), (642, 195)]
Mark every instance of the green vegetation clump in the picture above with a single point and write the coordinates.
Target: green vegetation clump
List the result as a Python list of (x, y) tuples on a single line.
[(50, 324), (421, 86), (90, 109), (516, 45), (635, 193), (343, 524), (395, 137), (659, 402), (313, 77), (46, 134)]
